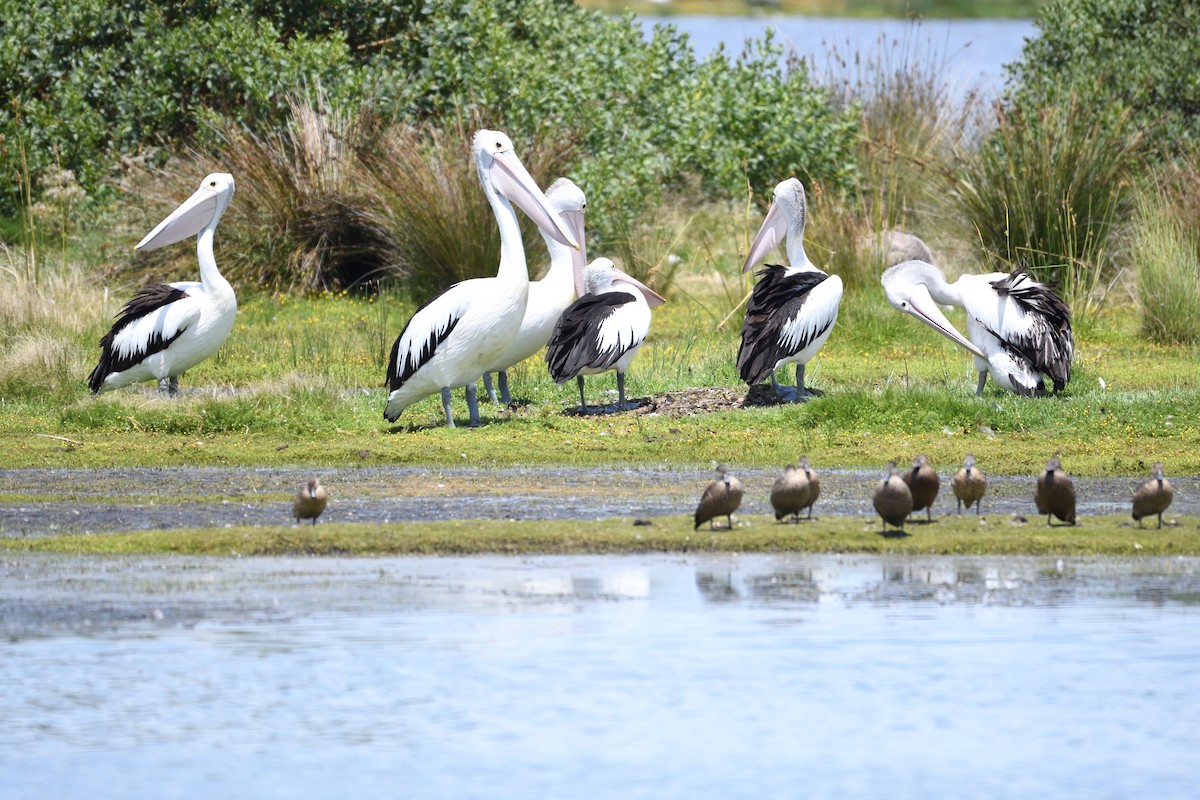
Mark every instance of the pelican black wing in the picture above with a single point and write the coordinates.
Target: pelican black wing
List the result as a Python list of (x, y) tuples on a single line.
[(1050, 344), (577, 345), (417, 356), (145, 302), (778, 298)]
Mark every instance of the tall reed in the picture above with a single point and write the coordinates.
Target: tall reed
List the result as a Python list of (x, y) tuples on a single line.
[(1050, 190), (1167, 249)]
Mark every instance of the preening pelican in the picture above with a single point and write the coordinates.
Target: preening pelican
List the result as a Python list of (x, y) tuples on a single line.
[(167, 328), (792, 309), (1020, 330), (458, 334), (603, 329), (551, 295)]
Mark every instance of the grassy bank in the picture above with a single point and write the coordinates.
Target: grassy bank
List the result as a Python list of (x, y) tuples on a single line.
[(1112, 535)]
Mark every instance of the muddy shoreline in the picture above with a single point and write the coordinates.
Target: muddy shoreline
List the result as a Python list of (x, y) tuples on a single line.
[(51, 502)]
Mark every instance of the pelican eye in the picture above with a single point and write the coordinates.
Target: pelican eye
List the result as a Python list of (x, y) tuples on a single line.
[(212, 184), (499, 145), (583, 207), (903, 304)]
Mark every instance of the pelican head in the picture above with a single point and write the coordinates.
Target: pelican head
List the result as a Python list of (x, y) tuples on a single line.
[(502, 174), (603, 273), (907, 288), (568, 200), (785, 220), (198, 212)]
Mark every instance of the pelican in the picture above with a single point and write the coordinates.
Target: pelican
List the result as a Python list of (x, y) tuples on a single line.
[(893, 501), (1020, 330), (792, 309), (603, 329), (310, 501), (168, 328), (458, 334), (551, 295), (720, 499), (923, 482), (1153, 497), (969, 485), (1055, 494)]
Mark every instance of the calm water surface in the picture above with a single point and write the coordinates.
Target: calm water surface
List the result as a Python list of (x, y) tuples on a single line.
[(972, 52), (622, 677)]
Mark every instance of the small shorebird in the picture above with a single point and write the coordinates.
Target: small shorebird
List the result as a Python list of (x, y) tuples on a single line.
[(893, 500), (969, 485), (814, 483), (720, 499), (789, 494), (923, 482), (1055, 495), (310, 501), (1154, 496)]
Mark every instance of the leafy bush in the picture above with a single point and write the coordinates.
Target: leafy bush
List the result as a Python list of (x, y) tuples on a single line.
[(1113, 55), (88, 80)]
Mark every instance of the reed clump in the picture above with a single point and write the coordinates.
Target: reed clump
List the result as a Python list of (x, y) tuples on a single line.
[(1167, 249)]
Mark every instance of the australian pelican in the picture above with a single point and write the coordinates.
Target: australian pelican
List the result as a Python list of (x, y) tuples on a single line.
[(1019, 329), (167, 328), (551, 295), (454, 337), (792, 309), (603, 329)]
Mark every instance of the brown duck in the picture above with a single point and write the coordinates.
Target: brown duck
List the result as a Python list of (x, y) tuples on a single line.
[(1154, 496), (1055, 495), (720, 499), (789, 493), (893, 500), (969, 485), (923, 482), (310, 501), (814, 483)]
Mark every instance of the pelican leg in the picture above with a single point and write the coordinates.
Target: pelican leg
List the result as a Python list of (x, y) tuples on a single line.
[(169, 386), (785, 392), (803, 393), (982, 380), (622, 403), (582, 400), (487, 385), (472, 406), (446, 407), (505, 396)]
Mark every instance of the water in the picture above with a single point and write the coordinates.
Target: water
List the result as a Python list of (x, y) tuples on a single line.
[(599, 677), (972, 52)]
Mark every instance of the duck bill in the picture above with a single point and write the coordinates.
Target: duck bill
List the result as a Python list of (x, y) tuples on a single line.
[(579, 262), (511, 179), (187, 220), (653, 298), (922, 307), (770, 234)]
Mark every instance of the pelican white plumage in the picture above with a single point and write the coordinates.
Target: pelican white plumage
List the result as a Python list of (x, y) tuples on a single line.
[(792, 309), (167, 328), (551, 295), (1019, 330), (603, 329), (458, 334)]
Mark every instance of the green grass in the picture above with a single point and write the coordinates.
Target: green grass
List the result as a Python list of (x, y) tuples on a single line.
[(300, 383), (1110, 535)]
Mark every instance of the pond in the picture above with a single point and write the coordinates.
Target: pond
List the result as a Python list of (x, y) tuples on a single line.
[(639, 676), (971, 53)]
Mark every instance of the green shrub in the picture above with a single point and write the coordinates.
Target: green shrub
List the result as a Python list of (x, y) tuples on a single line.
[(1139, 55)]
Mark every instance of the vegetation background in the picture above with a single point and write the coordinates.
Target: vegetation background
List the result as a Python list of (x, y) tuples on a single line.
[(347, 126)]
